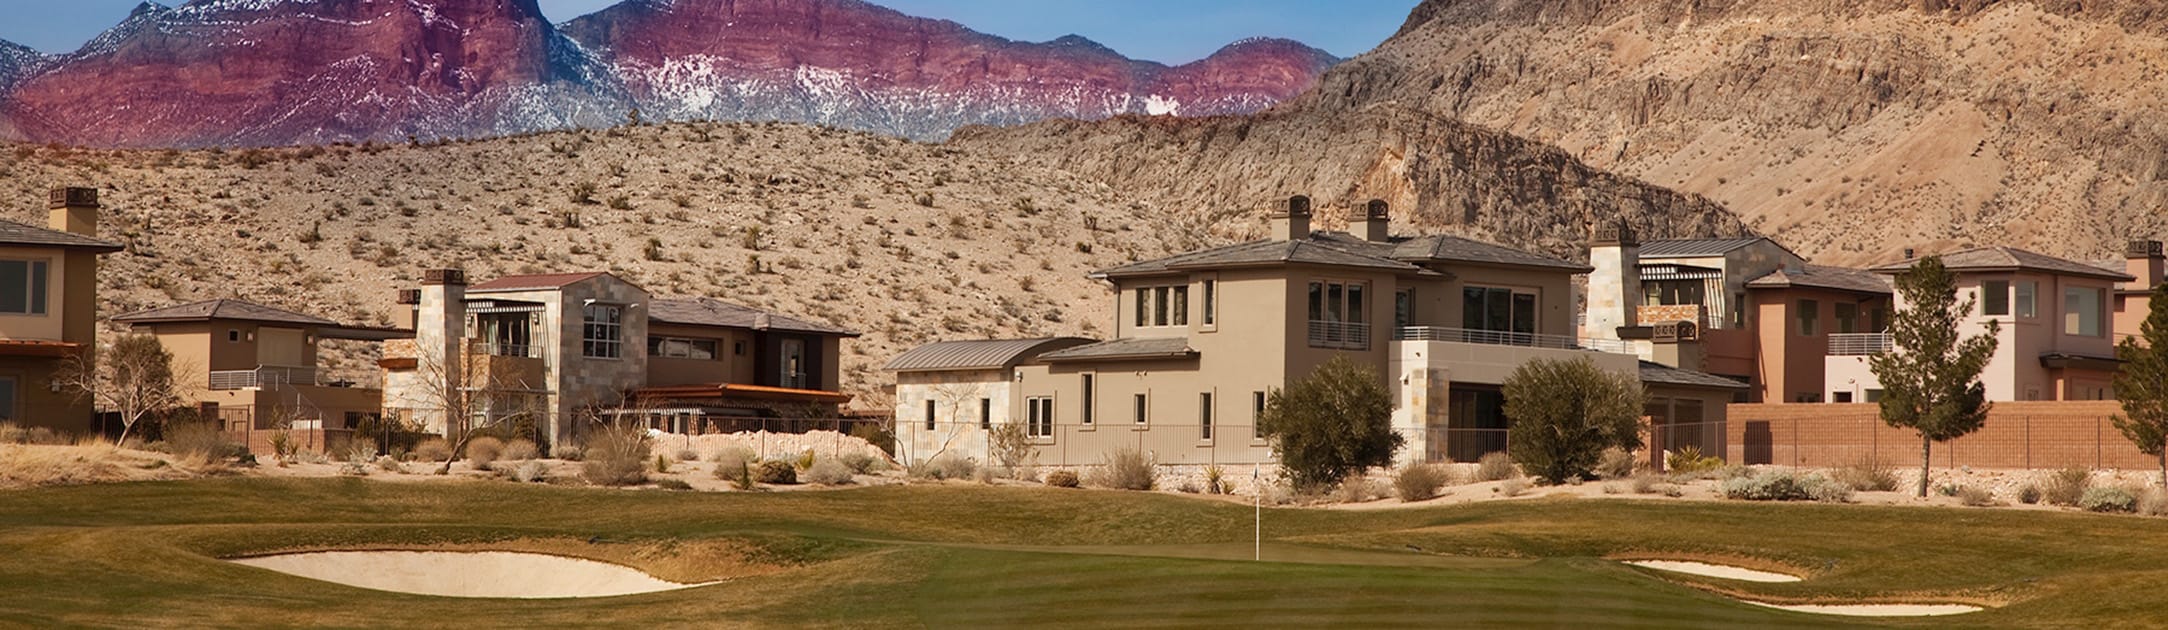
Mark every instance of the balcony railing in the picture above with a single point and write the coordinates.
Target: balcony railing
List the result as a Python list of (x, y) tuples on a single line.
[(512, 350), (1859, 344), (1344, 335), (263, 376), (1504, 338)]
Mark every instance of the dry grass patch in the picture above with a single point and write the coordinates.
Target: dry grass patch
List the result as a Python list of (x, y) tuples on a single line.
[(31, 466)]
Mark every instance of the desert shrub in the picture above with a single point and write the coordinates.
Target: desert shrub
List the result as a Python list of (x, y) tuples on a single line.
[(484, 450), (2066, 486), (2153, 502), (2108, 499), (861, 463), (775, 471), (1777, 485), (687, 455), (11, 433), (282, 446), (1063, 479), (1514, 487), (673, 484), (1215, 480), (1494, 467), (201, 442), (1009, 445), (1329, 425), (945, 466), (828, 472), (1563, 415), (734, 457), (521, 449), (1646, 483), (616, 456), (1419, 482), (986, 475), (45, 436), (804, 460), (1689, 460), (1869, 475), (1975, 496), (1359, 490), (570, 453), (1616, 463), (1125, 469), (1947, 489), (433, 450), (2029, 494), (738, 472), (390, 464)]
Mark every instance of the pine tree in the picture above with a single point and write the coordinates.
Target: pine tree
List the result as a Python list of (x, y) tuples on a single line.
[(2142, 383), (1931, 381)]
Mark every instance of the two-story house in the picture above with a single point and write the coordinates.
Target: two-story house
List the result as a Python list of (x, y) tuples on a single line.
[(559, 349), (49, 310), (255, 367), (1202, 338), (2055, 318)]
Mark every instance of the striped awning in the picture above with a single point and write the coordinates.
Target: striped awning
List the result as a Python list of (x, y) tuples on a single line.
[(503, 306), (1679, 272)]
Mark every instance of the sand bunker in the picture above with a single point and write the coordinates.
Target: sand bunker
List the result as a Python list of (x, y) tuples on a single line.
[(1873, 610), (1714, 570), (467, 574)]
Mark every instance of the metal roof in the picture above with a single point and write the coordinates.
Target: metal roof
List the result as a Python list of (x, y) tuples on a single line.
[(1125, 349), (531, 282), (1462, 250), (712, 312), (207, 310), (1824, 277), (978, 354), (1692, 247), (1341, 249), (1660, 374), (13, 233), (2011, 259)]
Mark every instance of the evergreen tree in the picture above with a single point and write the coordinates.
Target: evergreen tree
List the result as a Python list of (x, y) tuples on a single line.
[(1931, 380), (2142, 383)]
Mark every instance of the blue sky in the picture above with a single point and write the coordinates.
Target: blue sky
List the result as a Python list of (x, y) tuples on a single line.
[(1170, 31)]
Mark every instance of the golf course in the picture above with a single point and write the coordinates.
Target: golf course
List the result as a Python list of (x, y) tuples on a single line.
[(156, 554)]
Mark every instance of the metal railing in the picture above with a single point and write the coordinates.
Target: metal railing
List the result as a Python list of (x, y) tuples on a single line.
[(1859, 344), (1504, 338), (1347, 335), (263, 376), (528, 351)]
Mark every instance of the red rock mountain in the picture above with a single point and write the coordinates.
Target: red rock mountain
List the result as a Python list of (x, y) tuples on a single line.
[(265, 72)]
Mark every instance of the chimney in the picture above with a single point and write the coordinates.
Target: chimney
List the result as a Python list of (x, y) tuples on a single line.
[(1294, 222), (2142, 258), (1614, 286), (74, 210), (440, 320), (1375, 223)]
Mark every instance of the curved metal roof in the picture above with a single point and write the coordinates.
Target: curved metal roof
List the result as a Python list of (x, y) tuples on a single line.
[(978, 354)]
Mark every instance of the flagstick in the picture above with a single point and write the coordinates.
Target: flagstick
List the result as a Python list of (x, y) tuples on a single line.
[(1258, 506)]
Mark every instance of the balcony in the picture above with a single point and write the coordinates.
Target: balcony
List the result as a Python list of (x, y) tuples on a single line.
[(525, 351), (263, 376), (1859, 344), (1503, 338), (1342, 335)]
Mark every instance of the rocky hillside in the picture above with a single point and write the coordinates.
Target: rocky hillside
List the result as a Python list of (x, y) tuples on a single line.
[(288, 72), (1847, 129), (906, 242)]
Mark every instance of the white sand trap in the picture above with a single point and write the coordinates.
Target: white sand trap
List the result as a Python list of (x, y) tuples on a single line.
[(1873, 610), (1714, 570), (467, 574)]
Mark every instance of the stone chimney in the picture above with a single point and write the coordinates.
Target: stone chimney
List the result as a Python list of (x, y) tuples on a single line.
[(1614, 287), (74, 210), (2142, 258), (1293, 222), (1375, 222), (440, 321)]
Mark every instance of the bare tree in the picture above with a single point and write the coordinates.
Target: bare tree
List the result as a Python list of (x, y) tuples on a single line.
[(472, 396), (952, 395), (134, 379)]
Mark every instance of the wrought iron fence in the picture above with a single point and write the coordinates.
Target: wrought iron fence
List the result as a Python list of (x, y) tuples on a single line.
[(1505, 338)]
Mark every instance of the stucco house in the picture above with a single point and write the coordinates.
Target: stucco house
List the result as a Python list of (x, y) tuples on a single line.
[(49, 310), (254, 367)]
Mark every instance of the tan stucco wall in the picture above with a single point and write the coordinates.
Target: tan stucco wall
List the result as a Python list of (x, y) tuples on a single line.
[(36, 404), (58, 305)]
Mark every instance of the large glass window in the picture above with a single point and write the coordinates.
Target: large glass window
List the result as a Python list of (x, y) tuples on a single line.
[(1671, 292), (602, 333), (1163, 306), (1404, 308), (507, 334), (2082, 314), (1995, 297), (2027, 299), (1339, 315), (1810, 314), (1039, 417), (22, 287), (677, 348), (1847, 317), (1496, 309)]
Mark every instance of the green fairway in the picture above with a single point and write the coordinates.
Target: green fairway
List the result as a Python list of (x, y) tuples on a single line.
[(146, 554)]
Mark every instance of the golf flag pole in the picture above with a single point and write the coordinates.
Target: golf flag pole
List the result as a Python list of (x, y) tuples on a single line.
[(1257, 506)]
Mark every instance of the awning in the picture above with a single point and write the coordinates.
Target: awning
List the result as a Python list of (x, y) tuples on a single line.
[(735, 391), (1679, 272), (37, 348)]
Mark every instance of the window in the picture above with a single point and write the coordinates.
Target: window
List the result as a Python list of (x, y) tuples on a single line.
[(1084, 409), (1847, 317), (1404, 308), (1181, 306), (602, 332), (929, 415), (1211, 302), (508, 334), (1144, 305), (7, 398), (1498, 310), (1257, 415), (1841, 397), (737, 348), (1140, 409), (1039, 417), (1810, 312), (793, 364), (676, 348), (233, 335), (1204, 416), (1738, 310), (1159, 306), (986, 413), (2082, 311), (22, 287), (1874, 395), (1671, 292), (1339, 315), (1162, 306), (1995, 297), (2026, 300)]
